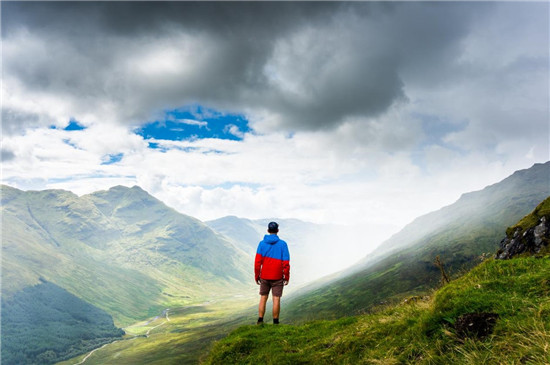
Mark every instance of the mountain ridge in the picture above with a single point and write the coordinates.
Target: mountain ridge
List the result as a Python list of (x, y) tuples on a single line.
[(403, 265), (132, 256), (495, 313), (70, 239)]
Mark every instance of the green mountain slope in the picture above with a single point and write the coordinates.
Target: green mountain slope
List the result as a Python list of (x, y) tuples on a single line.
[(497, 313), (481, 213), (244, 233), (121, 250), (403, 265), (515, 292)]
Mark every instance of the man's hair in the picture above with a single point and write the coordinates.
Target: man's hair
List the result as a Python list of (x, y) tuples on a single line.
[(273, 227)]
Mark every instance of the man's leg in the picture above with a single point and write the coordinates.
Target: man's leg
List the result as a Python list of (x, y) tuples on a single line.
[(276, 307), (261, 307)]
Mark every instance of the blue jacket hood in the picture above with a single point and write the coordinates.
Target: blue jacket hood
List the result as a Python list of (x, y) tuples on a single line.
[(271, 238)]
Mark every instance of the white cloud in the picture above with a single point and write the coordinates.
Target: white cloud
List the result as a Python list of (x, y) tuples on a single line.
[(234, 130), (338, 105), (192, 122), (302, 177)]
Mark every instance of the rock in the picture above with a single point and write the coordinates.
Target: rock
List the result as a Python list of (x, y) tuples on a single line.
[(475, 325), (532, 241)]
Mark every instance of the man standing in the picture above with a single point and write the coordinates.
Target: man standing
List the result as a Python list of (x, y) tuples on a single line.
[(272, 270)]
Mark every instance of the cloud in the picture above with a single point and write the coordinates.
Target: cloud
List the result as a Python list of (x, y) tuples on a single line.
[(309, 66), (193, 122), (7, 155), (336, 111), (234, 130)]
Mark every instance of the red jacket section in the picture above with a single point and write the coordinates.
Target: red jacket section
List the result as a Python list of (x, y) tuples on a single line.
[(272, 259)]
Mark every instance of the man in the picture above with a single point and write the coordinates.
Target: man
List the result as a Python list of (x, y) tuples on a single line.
[(272, 270)]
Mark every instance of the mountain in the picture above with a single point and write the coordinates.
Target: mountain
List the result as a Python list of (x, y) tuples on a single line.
[(404, 265), (121, 250), (496, 313), (483, 210), (244, 233), (120, 253)]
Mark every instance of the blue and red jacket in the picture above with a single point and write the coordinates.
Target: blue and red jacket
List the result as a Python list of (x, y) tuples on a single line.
[(272, 259)]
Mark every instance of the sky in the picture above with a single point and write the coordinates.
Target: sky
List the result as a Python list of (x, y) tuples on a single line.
[(362, 113)]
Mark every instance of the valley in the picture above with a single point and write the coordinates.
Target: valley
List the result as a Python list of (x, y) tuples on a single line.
[(496, 313), (179, 335), (175, 285)]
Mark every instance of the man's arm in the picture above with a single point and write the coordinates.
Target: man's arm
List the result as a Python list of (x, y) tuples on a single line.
[(286, 264), (258, 261)]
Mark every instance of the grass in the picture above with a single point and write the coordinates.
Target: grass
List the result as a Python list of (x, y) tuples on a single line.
[(420, 332), (543, 209)]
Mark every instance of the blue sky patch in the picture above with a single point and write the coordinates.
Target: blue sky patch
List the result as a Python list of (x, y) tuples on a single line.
[(74, 126), (195, 122), (112, 158)]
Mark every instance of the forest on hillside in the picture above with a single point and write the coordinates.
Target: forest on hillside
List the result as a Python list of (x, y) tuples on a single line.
[(45, 324)]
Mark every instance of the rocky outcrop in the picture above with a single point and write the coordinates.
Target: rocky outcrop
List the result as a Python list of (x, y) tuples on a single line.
[(531, 241)]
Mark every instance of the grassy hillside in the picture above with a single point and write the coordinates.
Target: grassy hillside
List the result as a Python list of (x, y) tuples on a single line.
[(543, 209), (121, 250), (422, 331), (181, 335), (404, 265)]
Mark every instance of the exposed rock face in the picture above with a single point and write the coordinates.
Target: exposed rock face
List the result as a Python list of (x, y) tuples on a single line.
[(532, 240)]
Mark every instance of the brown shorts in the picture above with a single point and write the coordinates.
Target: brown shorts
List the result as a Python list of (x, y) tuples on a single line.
[(275, 285)]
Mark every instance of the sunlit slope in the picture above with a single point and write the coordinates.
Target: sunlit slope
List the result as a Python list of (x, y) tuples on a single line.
[(499, 312), (149, 224), (121, 250), (179, 336), (423, 331), (403, 265), (481, 213)]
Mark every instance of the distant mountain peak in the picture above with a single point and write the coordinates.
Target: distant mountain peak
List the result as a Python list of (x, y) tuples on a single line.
[(122, 192), (123, 188)]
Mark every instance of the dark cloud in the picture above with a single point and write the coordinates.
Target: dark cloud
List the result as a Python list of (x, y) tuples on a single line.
[(308, 65), (131, 19), (6, 155), (15, 121)]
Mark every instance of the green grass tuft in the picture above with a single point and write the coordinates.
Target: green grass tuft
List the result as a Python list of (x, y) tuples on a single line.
[(421, 331), (531, 220)]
